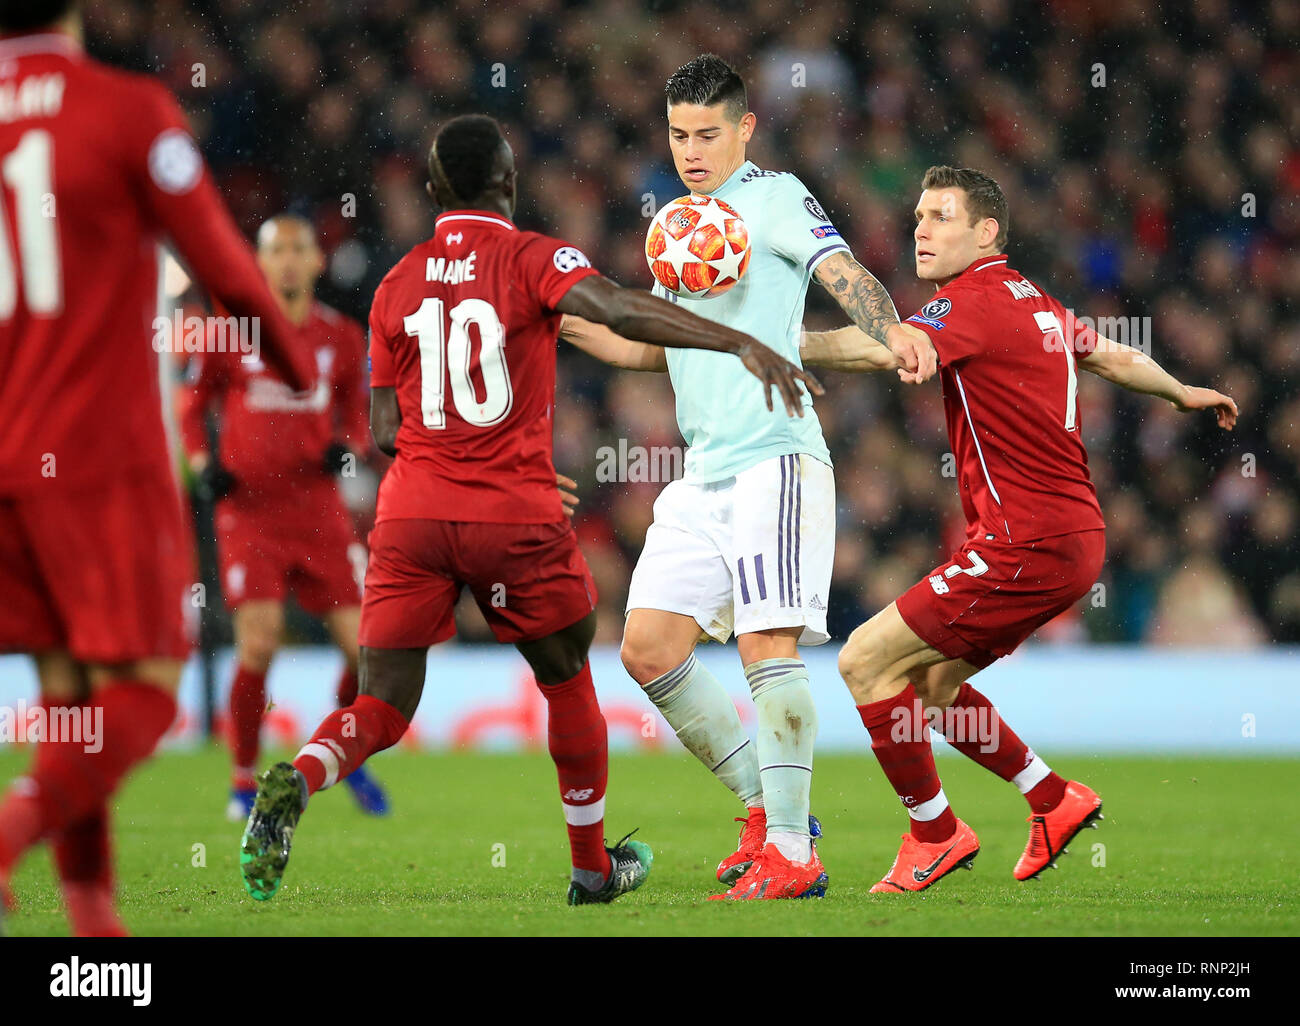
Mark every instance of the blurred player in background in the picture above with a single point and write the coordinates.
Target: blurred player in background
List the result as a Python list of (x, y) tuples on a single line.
[(95, 554), (1035, 537), (744, 542), (281, 523), (471, 500)]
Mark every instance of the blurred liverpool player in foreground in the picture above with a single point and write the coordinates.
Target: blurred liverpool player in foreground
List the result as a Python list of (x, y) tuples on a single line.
[(462, 351), (95, 556), (280, 519), (1035, 537)]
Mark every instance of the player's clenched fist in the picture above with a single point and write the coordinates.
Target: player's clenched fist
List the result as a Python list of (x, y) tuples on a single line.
[(915, 352)]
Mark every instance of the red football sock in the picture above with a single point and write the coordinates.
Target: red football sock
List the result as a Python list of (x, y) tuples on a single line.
[(20, 813), (1046, 794), (346, 738), (84, 857), (346, 692), (900, 741), (982, 735), (67, 783), (247, 704), (579, 745), (20, 826), (83, 850)]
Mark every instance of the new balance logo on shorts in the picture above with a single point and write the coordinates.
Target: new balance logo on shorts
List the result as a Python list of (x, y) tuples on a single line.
[(939, 585)]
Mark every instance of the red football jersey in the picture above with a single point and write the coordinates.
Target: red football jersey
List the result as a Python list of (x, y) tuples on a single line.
[(465, 328), (1010, 394), (96, 168), (271, 438)]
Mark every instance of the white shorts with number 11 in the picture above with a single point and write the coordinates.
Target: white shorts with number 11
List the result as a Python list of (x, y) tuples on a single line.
[(748, 553)]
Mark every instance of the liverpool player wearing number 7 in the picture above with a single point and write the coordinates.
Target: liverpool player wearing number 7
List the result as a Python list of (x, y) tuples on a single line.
[(1035, 538), (95, 555), (462, 352)]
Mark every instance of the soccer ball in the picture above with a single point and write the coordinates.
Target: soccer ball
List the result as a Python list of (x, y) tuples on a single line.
[(697, 247)]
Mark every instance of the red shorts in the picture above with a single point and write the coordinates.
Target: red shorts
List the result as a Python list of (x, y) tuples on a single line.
[(102, 572), (991, 596), (311, 552), (530, 580)]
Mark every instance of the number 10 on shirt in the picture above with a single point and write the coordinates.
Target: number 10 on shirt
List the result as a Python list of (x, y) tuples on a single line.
[(451, 349)]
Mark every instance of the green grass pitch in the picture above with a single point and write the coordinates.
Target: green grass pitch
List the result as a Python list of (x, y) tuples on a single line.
[(476, 846)]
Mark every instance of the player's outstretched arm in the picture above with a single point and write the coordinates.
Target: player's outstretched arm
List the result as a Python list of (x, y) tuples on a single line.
[(847, 349), (1137, 372), (598, 341), (867, 302), (646, 318), (385, 418)]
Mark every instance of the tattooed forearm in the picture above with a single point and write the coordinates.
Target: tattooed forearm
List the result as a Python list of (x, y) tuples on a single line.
[(859, 294)]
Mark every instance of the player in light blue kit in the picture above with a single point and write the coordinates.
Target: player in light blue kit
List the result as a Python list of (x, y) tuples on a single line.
[(745, 541)]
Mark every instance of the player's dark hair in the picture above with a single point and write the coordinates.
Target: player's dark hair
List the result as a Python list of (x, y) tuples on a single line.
[(21, 15), (464, 154), (706, 80), (983, 195)]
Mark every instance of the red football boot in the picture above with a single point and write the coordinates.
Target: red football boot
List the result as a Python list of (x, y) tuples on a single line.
[(8, 900), (91, 910), (753, 836), (1050, 832), (772, 875), (919, 865)]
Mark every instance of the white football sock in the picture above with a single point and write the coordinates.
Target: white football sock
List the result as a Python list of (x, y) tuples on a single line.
[(787, 732), (699, 709)]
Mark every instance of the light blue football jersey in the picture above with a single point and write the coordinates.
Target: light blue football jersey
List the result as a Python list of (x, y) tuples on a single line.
[(720, 407)]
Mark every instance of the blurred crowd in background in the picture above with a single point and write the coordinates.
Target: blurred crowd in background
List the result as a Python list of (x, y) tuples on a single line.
[(1150, 153)]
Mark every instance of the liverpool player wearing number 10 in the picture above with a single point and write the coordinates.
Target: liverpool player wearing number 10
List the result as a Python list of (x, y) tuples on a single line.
[(1035, 537), (462, 350)]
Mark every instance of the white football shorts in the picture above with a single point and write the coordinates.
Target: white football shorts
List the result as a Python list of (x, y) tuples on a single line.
[(744, 554)]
